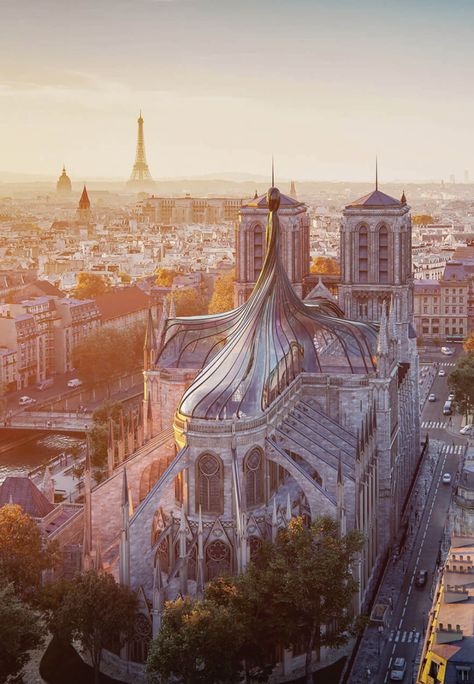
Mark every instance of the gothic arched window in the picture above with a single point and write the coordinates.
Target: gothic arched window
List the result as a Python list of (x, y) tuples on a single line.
[(383, 255), (363, 255), (258, 250), (254, 478), (218, 559), (210, 481)]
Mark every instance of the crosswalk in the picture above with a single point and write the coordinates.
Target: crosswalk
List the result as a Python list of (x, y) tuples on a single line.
[(407, 636), (434, 424), (454, 449), (448, 365)]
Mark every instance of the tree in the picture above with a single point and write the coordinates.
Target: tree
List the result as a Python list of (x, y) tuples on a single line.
[(20, 632), (188, 302), (108, 353), (192, 641), (461, 381), (307, 580), (165, 277), (468, 343), (90, 285), (223, 295), (421, 219), (99, 433), (325, 265), (94, 610), (23, 554)]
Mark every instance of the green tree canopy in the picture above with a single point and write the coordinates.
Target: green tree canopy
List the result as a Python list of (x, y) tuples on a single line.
[(90, 285), (94, 610), (199, 642), (223, 296), (108, 353), (461, 381), (20, 632), (325, 265), (23, 554), (188, 302)]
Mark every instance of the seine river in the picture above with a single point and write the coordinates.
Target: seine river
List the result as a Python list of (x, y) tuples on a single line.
[(21, 450)]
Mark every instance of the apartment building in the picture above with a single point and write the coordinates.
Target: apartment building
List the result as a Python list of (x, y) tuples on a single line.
[(178, 210), (76, 319)]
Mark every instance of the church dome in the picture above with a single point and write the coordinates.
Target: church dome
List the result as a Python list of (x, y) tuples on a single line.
[(248, 356), (63, 186)]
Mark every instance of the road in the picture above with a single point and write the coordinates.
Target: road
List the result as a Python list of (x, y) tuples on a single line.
[(412, 604)]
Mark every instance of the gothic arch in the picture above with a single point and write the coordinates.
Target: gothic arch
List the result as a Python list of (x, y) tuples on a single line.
[(257, 251), (210, 484), (362, 253), (254, 477), (151, 474), (218, 559), (383, 253)]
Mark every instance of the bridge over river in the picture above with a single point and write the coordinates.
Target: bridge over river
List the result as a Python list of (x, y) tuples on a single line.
[(53, 421)]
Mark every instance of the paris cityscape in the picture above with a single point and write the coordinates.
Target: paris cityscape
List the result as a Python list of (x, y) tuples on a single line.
[(236, 342)]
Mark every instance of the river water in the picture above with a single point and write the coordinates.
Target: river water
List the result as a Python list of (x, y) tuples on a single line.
[(23, 450)]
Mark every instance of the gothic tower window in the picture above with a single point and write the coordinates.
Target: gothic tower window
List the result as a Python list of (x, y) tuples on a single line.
[(254, 478), (218, 559), (383, 255), (210, 481), (363, 255), (258, 250)]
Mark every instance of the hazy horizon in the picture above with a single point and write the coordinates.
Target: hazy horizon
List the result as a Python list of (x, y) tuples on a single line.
[(325, 86)]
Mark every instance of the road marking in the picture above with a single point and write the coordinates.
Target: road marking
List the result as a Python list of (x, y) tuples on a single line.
[(397, 636), (417, 637), (404, 636), (391, 635), (410, 637)]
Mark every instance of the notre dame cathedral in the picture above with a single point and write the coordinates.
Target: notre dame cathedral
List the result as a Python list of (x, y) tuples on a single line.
[(283, 406)]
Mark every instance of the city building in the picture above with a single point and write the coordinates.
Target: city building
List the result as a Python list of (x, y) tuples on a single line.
[(172, 211), (84, 208), (281, 407), (124, 308), (76, 319), (140, 178), (19, 334), (8, 372)]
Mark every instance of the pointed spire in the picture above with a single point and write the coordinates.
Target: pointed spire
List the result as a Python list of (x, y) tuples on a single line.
[(172, 306), (293, 189), (125, 493), (392, 330), (274, 520), (84, 202), (87, 536), (200, 535), (124, 548), (99, 565), (403, 199), (376, 173), (121, 442), (256, 194), (149, 345), (200, 558), (340, 478), (110, 448), (289, 513), (382, 342)]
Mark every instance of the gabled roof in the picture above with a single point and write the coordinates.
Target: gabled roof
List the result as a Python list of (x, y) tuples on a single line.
[(23, 492), (375, 199)]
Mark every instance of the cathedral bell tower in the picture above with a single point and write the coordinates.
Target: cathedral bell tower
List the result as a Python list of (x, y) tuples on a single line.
[(251, 248), (376, 264)]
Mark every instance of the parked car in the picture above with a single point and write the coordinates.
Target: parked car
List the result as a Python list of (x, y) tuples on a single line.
[(45, 384), (398, 671), (432, 397), (447, 351), (26, 401), (74, 382), (421, 578), (441, 372), (446, 478), (448, 408), (467, 429), (451, 396)]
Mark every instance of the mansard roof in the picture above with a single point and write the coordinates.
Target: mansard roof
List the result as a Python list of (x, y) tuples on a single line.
[(250, 355), (374, 200)]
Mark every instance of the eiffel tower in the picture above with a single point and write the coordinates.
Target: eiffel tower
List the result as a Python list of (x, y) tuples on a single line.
[(140, 178)]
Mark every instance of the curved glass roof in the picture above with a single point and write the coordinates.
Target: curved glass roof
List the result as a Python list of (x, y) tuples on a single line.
[(249, 355)]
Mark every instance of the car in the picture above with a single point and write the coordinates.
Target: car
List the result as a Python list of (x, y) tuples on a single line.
[(441, 372), (421, 578), (26, 401), (447, 351), (446, 478), (398, 671), (451, 396), (45, 384), (74, 382), (432, 397), (467, 429)]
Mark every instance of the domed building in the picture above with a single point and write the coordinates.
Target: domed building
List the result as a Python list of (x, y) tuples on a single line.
[(64, 186), (280, 407)]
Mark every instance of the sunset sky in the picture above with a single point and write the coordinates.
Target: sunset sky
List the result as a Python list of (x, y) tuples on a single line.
[(323, 84)]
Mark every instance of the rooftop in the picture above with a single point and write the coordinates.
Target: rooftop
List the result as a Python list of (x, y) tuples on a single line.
[(374, 200), (23, 492)]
